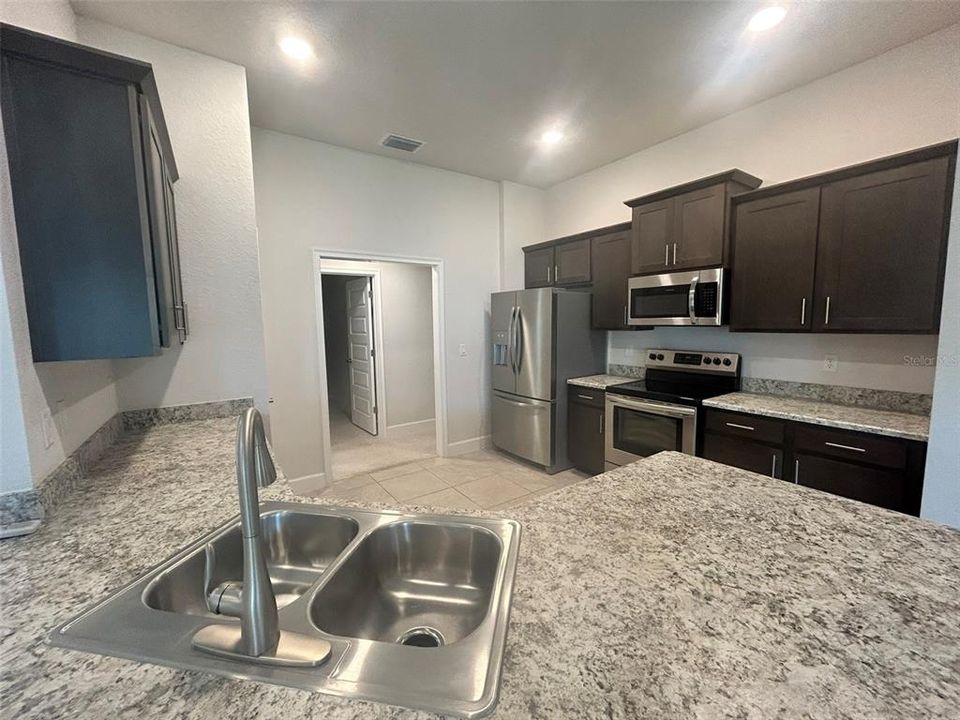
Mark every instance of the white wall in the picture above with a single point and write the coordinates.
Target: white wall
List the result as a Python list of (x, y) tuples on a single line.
[(941, 483), (524, 221), (903, 99), (407, 343), (205, 106), (314, 195), (80, 396)]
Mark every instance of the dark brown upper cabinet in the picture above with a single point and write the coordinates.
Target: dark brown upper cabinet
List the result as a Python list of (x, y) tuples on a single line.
[(882, 249), (538, 264), (610, 261), (684, 227), (861, 249), (572, 263), (773, 261), (91, 174)]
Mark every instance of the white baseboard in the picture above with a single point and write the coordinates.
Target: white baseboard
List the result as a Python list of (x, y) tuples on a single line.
[(462, 447), (403, 428), (308, 484)]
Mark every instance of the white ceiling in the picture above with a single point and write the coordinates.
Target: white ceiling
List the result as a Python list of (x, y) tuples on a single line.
[(479, 82)]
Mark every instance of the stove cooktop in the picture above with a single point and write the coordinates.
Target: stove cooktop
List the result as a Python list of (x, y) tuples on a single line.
[(684, 377)]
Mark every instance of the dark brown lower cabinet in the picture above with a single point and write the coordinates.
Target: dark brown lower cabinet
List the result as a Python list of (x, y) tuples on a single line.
[(875, 469), (746, 454), (585, 430), (874, 485)]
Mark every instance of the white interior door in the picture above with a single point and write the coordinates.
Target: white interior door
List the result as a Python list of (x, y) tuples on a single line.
[(363, 410)]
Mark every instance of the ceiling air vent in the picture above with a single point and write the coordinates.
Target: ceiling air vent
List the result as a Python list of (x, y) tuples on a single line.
[(401, 143)]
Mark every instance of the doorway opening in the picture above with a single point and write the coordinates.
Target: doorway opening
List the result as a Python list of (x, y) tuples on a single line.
[(379, 351)]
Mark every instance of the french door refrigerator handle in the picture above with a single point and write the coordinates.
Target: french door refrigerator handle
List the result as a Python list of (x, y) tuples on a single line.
[(510, 348), (518, 338)]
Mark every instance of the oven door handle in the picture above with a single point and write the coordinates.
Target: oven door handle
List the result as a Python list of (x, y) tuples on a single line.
[(674, 411), (692, 299)]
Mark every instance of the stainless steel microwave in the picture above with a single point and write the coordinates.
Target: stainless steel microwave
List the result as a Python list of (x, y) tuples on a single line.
[(681, 298)]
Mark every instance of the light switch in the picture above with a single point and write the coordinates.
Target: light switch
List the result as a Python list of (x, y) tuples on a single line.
[(463, 350), (830, 363)]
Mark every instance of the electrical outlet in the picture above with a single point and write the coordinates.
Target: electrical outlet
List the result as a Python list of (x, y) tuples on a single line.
[(47, 427), (830, 363), (463, 350), (628, 352)]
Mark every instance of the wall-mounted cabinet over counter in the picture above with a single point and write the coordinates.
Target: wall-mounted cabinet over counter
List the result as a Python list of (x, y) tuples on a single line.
[(92, 173), (685, 227), (861, 249), (598, 260)]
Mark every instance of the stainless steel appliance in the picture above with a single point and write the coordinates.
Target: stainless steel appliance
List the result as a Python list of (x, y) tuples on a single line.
[(694, 297), (661, 411), (541, 338)]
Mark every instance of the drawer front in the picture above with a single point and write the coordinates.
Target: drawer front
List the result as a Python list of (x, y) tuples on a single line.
[(852, 446), (744, 454), (753, 427), (586, 396)]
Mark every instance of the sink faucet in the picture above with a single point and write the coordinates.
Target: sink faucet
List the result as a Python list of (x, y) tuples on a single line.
[(259, 624), (259, 638)]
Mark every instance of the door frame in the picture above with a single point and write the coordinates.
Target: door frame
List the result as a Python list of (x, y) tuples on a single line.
[(351, 262)]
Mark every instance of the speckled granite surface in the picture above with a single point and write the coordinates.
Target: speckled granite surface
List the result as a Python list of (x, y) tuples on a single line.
[(916, 403), (599, 382), (671, 588), (847, 417), (634, 372)]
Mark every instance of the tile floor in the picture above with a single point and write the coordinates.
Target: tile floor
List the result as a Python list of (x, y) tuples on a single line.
[(483, 480), (357, 452)]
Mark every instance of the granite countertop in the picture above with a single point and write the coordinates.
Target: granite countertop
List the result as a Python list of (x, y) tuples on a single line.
[(818, 412), (672, 587), (599, 382)]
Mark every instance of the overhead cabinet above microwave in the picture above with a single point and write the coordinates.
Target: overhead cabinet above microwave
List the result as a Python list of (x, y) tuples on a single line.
[(861, 249), (685, 227), (92, 174)]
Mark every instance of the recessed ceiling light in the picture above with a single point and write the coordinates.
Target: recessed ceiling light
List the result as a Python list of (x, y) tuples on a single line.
[(551, 137), (767, 18), (296, 48)]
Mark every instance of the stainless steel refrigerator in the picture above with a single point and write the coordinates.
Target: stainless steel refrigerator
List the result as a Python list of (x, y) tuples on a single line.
[(541, 338)]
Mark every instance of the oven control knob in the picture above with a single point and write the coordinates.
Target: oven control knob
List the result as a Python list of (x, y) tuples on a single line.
[(653, 356), (726, 361), (716, 361), (659, 356), (706, 361)]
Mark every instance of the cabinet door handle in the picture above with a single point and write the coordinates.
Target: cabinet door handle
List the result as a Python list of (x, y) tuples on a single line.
[(585, 397), (666, 254), (739, 426), (601, 423), (556, 272), (845, 447), (625, 315), (826, 314), (803, 312), (773, 467), (548, 274), (796, 471), (674, 253)]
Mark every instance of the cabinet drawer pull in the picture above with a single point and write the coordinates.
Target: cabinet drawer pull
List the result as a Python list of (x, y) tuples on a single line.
[(740, 427), (796, 471), (803, 312), (585, 397), (826, 313), (666, 254), (845, 447), (773, 467)]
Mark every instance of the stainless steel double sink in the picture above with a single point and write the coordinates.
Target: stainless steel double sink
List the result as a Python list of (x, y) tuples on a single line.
[(415, 606)]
